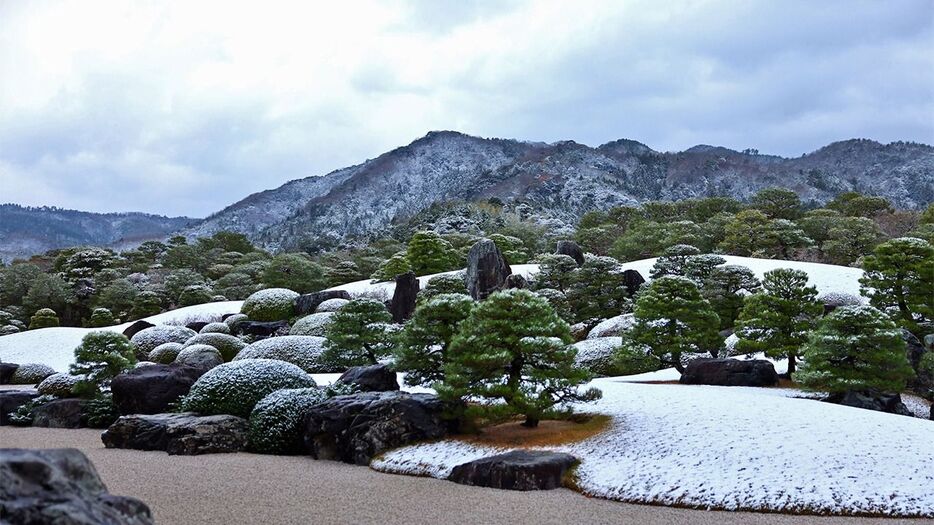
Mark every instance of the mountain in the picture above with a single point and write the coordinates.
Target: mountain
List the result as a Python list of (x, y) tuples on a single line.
[(558, 182), (26, 231)]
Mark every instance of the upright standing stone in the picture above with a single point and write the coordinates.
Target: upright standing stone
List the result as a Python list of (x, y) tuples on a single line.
[(572, 250), (632, 280), (487, 269), (403, 298)]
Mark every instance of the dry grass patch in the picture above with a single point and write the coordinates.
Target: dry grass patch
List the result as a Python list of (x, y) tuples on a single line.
[(548, 433)]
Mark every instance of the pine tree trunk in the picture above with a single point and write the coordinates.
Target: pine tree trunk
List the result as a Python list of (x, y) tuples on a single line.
[(530, 422), (791, 365)]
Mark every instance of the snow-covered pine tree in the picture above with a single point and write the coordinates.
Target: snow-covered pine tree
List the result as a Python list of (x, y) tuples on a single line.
[(429, 253), (899, 280), (358, 334), (725, 288), (423, 344), (674, 261), (598, 289)]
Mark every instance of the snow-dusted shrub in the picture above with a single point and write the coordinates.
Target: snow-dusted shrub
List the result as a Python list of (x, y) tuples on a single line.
[(165, 353), (215, 328), (614, 326), (276, 421), (100, 318), (195, 294), (8, 330), (331, 305), (597, 354), (838, 299), (31, 374), (314, 324), (201, 356), (271, 304), (303, 351), (43, 318), (58, 385), (5, 317), (234, 320), (147, 340), (228, 345), (236, 387)]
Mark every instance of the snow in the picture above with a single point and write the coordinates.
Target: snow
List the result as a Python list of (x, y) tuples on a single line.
[(732, 448)]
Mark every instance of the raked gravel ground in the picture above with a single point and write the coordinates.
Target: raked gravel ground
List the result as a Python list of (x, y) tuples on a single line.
[(228, 489)]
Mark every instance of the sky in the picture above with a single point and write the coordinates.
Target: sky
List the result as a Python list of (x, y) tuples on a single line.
[(182, 108)]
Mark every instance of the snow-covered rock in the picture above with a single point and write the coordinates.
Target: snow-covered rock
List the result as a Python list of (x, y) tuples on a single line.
[(612, 327), (596, 354)]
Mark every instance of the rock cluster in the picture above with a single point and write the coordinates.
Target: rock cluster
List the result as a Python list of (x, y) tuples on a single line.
[(730, 372), (516, 470), (183, 433)]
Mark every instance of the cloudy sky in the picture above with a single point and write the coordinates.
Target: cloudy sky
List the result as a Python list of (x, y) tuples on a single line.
[(182, 108)]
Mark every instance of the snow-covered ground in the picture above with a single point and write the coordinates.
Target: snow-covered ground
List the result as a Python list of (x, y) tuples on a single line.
[(732, 448)]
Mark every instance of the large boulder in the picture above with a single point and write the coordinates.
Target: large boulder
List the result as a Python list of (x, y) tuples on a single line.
[(10, 400), (487, 269), (515, 281), (6, 372), (152, 389), (61, 413), (572, 250), (356, 428), (632, 280), (178, 434), (515, 470), (402, 304), (307, 303), (730, 372), (196, 325), (373, 378), (872, 400), (612, 327), (60, 486), (262, 328), (136, 327)]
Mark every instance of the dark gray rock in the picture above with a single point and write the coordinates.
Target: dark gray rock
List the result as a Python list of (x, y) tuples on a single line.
[(572, 250), (487, 269), (516, 470), (196, 325), (730, 372), (262, 328), (929, 342), (402, 304), (61, 413), (10, 400), (137, 326), (178, 434), (373, 378), (151, 389), (516, 281), (6, 372), (307, 303), (60, 486), (915, 348), (632, 280), (356, 428), (872, 400)]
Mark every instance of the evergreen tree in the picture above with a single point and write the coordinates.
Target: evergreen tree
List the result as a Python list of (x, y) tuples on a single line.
[(850, 238), (344, 272), (598, 289), (100, 318), (235, 286), (743, 235), (423, 344), (429, 253), (147, 303), (513, 347), (358, 334), (43, 318), (119, 296), (853, 204), (777, 203), (442, 284), (101, 356), (674, 261), (398, 264), (555, 271), (816, 224), (673, 319), (855, 348), (178, 280), (511, 247), (295, 272), (899, 280), (725, 288), (777, 320), (699, 267), (47, 291), (780, 237)]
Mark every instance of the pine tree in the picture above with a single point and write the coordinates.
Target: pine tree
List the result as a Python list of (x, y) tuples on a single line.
[(101, 356), (725, 287), (777, 203), (850, 238), (855, 348), (358, 334), (555, 271), (816, 224), (698, 267), (899, 280), (442, 284), (598, 289), (743, 235), (777, 320), (398, 264), (295, 272), (673, 319), (674, 261), (429, 253), (423, 344), (513, 347), (780, 236), (511, 247)]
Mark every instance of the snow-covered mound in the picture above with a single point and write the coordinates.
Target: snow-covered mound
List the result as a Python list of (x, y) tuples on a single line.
[(733, 448)]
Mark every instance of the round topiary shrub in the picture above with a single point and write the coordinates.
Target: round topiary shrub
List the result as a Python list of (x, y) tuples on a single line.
[(195, 294), (235, 388), (331, 305), (234, 320), (276, 421), (228, 345), (165, 353), (43, 318), (300, 350), (597, 355), (31, 374), (5, 317), (314, 324), (215, 328), (8, 330), (147, 340), (58, 385), (200, 356), (100, 318), (272, 304)]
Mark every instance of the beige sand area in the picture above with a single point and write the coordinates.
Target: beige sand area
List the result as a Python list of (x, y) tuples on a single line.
[(249, 488)]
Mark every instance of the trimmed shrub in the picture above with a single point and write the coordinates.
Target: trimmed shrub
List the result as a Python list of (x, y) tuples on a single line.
[(598, 354), (228, 345), (31, 374), (195, 294), (100, 318), (147, 340), (331, 305), (276, 421), (272, 304), (58, 385), (215, 328), (165, 353), (235, 320), (43, 318), (8, 330), (101, 356), (235, 388), (302, 351), (314, 324), (201, 356)]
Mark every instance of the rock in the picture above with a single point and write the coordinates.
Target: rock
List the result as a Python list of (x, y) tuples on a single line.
[(262, 328), (515, 470), (307, 303), (136, 327), (184, 433), (632, 280), (403, 298), (6, 372), (915, 348), (612, 327), (487, 269), (929, 342), (357, 427), (60, 486), (61, 413), (10, 400), (373, 378), (572, 250), (730, 372), (872, 400), (196, 325), (516, 281), (151, 389)]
